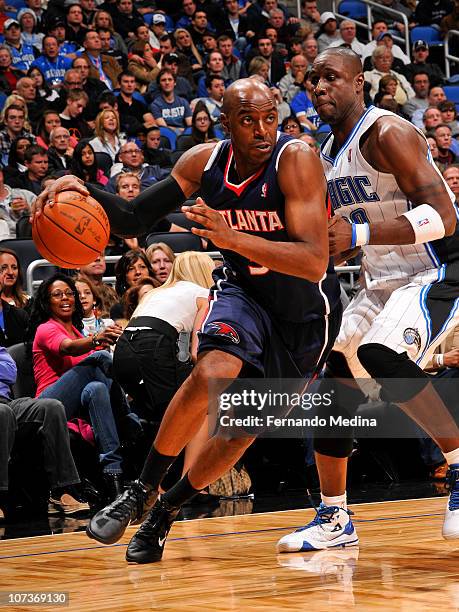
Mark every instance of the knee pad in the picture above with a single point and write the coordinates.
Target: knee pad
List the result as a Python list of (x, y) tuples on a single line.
[(334, 447), (383, 363)]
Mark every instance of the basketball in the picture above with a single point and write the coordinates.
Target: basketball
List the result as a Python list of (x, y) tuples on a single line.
[(73, 232)]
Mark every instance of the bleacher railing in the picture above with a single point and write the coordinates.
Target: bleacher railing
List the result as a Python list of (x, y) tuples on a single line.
[(448, 57), (401, 17), (31, 284)]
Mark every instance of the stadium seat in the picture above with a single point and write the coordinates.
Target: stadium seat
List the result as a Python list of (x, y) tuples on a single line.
[(179, 218), (353, 9), (178, 241), (430, 35), (104, 162), (165, 131), (25, 382), (452, 93)]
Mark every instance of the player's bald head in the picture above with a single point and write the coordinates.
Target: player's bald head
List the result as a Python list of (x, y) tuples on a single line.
[(348, 58), (247, 92)]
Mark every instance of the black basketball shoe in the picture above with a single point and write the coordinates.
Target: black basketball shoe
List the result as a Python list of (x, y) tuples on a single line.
[(109, 524), (147, 545)]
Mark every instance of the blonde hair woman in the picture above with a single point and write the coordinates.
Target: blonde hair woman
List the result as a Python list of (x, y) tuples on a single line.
[(161, 257), (149, 349), (186, 46), (107, 130)]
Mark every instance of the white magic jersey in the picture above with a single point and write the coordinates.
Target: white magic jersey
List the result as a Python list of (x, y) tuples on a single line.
[(362, 194)]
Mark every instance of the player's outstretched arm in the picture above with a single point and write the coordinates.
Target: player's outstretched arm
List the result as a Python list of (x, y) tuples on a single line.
[(128, 219), (302, 181)]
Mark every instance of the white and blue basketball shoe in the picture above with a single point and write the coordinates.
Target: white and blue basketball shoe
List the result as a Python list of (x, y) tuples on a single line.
[(332, 527), (451, 522)]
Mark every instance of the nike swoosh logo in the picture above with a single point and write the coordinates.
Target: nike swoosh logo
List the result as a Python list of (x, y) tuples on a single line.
[(161, 541)]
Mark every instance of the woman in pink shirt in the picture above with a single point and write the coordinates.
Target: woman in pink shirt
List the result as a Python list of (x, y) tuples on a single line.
[(68, 367)]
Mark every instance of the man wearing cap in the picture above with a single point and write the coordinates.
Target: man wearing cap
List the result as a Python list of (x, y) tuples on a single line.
[(183, 86), (23, 55), (347, 36), (420, 64), (28, 21), (329, 32), (381, 35), (52, 65), (56, 27), (157, 29)]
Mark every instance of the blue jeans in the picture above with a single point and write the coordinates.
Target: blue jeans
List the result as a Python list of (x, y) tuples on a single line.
[(88, 385)]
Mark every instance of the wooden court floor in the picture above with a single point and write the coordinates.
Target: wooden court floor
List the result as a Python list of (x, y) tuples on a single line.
[(230, 564)]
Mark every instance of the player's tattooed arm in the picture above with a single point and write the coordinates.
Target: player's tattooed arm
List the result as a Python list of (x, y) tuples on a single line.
[(395, 147)]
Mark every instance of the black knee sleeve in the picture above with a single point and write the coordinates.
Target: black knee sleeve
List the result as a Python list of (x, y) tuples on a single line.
[(383, 363)]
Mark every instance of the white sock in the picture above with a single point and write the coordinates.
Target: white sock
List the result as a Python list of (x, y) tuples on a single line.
[(452, 457), (338, 500)]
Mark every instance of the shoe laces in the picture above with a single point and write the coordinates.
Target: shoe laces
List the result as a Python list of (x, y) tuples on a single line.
[(323, 515), (160, 517), (452, 484), (130, 502)]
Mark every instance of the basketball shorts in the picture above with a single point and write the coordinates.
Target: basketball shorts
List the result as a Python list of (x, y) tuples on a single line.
[(239, 325), (414, 317)]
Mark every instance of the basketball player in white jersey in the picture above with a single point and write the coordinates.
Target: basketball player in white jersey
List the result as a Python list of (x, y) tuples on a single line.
[(390, 200)]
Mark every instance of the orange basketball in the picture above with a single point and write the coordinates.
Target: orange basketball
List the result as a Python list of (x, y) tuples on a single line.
[(73, 232)]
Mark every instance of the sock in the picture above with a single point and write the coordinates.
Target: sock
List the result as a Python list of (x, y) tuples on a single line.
[(338, 500), (181, 492), (452, 457), (155, 468)]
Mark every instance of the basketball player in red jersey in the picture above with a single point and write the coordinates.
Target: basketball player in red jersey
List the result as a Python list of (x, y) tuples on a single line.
[(275, 309)]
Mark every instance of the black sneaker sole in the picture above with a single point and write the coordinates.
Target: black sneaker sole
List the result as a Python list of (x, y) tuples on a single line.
[(107, 541), (145, 559)]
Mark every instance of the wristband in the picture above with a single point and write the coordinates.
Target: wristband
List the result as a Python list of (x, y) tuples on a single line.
[(360, 234), (426, 222), (439, 358)]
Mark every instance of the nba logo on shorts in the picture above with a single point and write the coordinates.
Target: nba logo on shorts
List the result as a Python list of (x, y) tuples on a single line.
[(264, 190)]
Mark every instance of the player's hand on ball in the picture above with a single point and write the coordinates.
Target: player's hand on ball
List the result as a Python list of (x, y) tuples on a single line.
[(339, 235), (215, 227), (64, 183)]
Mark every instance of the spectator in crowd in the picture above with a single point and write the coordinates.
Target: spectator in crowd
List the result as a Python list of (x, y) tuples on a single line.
[(348, 36), (231, 23), (183, 86), (16, 165), (12, 291), (265, 50), (451, 176), (186, 47), (76, 29), (16, 417), (395, 24), (215, 86), (9, 75), (157, 29), (106, 48), (187, 12), (433, 148), (44, 91), (328, 32), (91, 86), (72, 115), (52, 65), (67, 368), (13, 204), (310, 141), (381, 36), (382, 60), (84, 164), (432, 12), (201, 129), (451, 22), (303, 108), (431, 118), (95, 272), (435, 97), (449, 116), (285, 31), (292, 126), (129, 269), (28, 21), (442, 135), (13, 320), (161, 257), (101, 67), (36, 162), (107, 130), (90, 300), (198, 27), (13, 122), (143, 65), (126, 18), (214, 66), (234, 69), (127, 104), (127, 185), (310, 16), (57, 28), (421, 86), (420, 64), (310, 50), (88, 7), (103, 19), (22, 54), (25, 88), (132, 160), (154, 153), (292, 83), (60, 152), (168, 109), (50, 120)]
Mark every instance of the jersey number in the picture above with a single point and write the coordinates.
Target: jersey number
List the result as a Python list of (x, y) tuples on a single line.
[(359, 216)]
